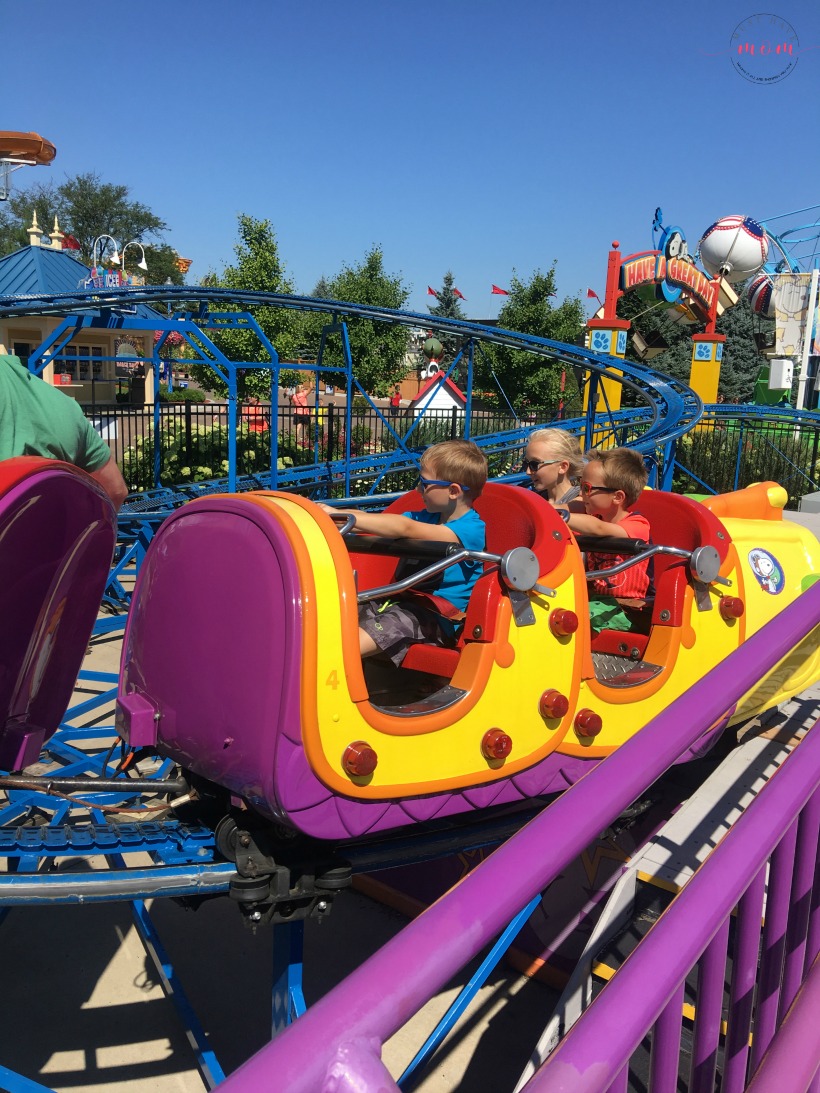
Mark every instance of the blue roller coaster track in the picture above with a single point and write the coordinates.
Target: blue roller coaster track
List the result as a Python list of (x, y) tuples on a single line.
[(669, 408), (665, 409)]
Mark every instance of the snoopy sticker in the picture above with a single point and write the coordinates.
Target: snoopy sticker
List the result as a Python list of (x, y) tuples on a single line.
[(767, 569)]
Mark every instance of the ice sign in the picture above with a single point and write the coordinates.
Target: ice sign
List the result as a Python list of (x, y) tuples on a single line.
[(103, 278)]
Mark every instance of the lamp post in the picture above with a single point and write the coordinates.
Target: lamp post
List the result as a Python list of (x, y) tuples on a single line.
[(115, 258), (133, 243)]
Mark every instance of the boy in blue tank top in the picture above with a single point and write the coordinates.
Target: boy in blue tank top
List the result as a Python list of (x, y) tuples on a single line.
[(453, 475)]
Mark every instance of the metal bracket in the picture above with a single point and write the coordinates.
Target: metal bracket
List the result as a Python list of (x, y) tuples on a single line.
[(523, 614), (271, 892), (703, 600)]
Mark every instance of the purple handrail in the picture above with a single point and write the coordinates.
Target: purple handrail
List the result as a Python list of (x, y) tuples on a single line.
[(744, 977), (380, 996), (707, 1026), (597, 1046), (774, 941), (788, 1064), (800, 901)]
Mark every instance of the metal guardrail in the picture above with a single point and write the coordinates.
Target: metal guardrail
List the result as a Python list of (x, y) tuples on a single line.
[(778, 832), (386, 465), (731, 447), (787, 1055), (736, 445), (193, 438), (343, 1033), (673, 408)]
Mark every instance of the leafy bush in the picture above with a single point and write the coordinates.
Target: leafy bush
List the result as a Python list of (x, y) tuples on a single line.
[(360, 438), (721, 455), (434, 429), (199, 454), (181, 394)]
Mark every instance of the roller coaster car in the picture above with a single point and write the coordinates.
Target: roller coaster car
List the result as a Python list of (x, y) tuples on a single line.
[(241, 656), (57, 535)]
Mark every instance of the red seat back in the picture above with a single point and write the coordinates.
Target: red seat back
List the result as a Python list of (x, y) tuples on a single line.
[(514, 517), (679, 522)]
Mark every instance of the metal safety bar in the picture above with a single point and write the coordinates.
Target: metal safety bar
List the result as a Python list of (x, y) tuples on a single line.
[(703, 561), (518, 568)]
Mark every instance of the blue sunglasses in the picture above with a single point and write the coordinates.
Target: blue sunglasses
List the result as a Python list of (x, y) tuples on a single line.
[(425, 483)]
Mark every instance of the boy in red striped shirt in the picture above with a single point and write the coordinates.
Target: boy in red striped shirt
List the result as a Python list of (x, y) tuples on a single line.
[(611, 482)]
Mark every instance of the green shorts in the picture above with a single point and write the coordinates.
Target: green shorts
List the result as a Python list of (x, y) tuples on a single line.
[(606, 613)]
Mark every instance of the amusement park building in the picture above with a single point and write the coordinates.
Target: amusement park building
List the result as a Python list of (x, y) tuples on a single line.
[(439, 393), (86, 369)]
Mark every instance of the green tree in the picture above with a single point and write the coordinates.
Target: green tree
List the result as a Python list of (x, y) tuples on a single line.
[(378, 349), (657, 326), (741, 362), (448, 306), (16, 215), (161, 262), (448, 300), (653, 321), (258, 267), (92, 208), (528, 380), (12, 232), (86, 208)]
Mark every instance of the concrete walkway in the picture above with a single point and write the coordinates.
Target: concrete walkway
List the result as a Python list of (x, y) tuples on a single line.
[(85, 1011)]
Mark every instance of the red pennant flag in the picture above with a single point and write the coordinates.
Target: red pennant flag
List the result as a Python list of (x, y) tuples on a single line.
[(592, 295), (457, 293), (496, 291), (431, 292), (70, 243)]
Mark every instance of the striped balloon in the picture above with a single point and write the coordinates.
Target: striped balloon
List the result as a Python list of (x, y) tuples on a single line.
[(734, 247), (761, 295)]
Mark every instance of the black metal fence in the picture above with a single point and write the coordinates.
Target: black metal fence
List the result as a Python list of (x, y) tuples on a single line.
[(720, 454), (127, 428), (728, 453), (193, 437)]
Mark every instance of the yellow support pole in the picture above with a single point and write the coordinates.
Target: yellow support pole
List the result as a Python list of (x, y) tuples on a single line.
[(707, 353), (608, 336)]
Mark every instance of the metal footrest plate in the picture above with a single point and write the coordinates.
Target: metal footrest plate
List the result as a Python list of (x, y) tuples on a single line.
[(617, 671)]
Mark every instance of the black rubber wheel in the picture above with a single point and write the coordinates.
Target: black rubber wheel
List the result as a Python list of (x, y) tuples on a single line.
[(226, 836)]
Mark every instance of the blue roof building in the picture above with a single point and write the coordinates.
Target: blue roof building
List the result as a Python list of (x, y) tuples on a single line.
[(39, 269), (86, 369)]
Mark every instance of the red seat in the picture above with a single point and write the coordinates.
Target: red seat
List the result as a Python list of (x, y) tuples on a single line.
[(678, 522), (514, 517)]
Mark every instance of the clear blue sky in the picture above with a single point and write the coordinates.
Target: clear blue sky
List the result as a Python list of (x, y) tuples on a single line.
[(474, 135)]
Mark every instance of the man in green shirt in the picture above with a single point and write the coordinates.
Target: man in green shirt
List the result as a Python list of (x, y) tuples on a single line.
[(38, 419)]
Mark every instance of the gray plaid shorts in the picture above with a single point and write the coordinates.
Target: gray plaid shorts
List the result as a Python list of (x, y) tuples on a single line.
[(394, 626)]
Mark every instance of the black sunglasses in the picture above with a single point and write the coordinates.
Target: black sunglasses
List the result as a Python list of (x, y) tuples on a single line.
[(587, 488), (533, 465)]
